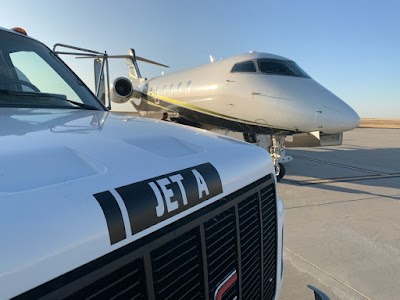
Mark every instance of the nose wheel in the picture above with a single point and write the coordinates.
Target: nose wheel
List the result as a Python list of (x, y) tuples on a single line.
[(275, 145), (278, 154), (280, 171)]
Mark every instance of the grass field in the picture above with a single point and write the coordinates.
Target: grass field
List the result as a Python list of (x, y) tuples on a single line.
[(380, 123)]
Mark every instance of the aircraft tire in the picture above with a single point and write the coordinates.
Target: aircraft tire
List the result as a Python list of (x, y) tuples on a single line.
[(282, 172)]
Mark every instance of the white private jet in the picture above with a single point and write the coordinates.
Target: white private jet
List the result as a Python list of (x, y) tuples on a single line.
[(264, 96)]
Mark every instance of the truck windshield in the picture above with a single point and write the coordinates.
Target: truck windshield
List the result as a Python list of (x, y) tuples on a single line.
[(32, 76)]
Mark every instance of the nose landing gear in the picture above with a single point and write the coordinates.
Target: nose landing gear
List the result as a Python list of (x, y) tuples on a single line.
[(275, 145), (280, 171)]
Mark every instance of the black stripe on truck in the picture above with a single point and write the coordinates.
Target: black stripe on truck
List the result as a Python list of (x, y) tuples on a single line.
[(157, 199), (154, 200), (112, 212)]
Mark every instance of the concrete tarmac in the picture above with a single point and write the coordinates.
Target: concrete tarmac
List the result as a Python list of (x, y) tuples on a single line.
[(342, 218)]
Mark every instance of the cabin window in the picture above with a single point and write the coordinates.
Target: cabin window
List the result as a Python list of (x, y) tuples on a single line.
[(281, 67), (188, 86), (179, 88), (164, 89), (171, 89), (247, 66)]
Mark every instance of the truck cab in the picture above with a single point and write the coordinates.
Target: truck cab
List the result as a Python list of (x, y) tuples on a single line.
[(100, 205)]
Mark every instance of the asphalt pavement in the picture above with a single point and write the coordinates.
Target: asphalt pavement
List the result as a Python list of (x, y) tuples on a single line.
[(342, 218)]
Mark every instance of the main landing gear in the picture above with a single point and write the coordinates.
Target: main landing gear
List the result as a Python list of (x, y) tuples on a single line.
[(275, 145)]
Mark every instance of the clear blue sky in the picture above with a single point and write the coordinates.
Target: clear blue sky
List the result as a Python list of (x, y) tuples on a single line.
[(352, 47)]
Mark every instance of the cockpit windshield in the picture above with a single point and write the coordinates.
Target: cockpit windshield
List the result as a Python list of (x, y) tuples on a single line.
[(32, 76), (281, 67), (247, 66)]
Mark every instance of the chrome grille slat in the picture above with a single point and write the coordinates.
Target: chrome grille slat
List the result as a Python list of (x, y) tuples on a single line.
[(250, 240), (219, 263), (127, 281), (173, 280), (268, 208)]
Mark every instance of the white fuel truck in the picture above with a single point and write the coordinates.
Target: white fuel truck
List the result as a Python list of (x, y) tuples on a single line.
[(107, 206)]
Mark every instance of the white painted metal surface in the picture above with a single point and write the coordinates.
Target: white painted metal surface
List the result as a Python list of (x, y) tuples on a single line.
[(51, 223), (55, 155), (283, 102)]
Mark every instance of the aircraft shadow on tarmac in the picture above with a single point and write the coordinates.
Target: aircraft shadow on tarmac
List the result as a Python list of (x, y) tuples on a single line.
[(364, 167)]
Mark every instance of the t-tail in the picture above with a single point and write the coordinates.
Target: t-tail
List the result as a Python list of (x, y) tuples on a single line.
[(136, 90), (122, 89)]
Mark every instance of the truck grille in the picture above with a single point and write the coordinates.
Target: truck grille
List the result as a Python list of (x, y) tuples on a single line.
[(220, 238), (250, 236), (189, 259), (269, 241), (177, 268), (127, 282)]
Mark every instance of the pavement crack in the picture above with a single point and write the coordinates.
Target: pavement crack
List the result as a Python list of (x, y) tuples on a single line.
[(346, 201), (340, 165), (326, 273), (344, 179)]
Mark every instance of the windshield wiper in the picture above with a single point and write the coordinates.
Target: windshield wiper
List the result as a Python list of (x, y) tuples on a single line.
[(49, 96), (82, 105)]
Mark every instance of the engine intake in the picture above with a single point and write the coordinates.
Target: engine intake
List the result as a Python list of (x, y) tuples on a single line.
[(121, 90)]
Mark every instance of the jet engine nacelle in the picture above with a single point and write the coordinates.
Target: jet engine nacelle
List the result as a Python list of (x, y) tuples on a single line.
[(121, 90)]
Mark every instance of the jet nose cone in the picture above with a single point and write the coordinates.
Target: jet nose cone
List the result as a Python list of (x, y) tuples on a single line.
[(341, 119), (352, 119)]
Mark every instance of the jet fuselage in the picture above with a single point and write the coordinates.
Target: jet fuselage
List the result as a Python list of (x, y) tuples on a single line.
[(251, 93)]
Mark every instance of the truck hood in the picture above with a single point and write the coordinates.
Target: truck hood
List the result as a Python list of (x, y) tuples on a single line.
[(53, 163), (41, 148)]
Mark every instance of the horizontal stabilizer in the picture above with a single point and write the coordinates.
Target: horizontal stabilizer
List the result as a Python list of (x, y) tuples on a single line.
[(150, 61), (118, 56)]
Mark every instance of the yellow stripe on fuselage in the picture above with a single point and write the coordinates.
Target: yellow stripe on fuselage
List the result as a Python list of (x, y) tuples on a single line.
[(203, 110), (155, 105)]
